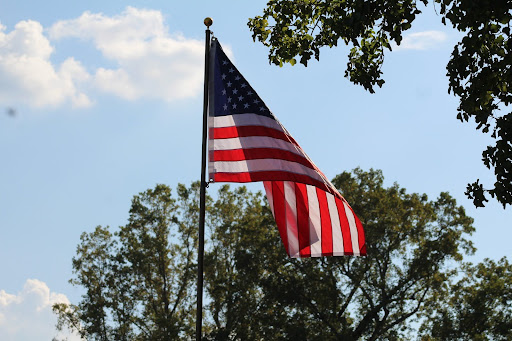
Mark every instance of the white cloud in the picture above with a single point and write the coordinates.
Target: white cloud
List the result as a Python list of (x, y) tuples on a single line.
[(426, 40), (149, 61), (28, 76), (152, 63), (28, 315)]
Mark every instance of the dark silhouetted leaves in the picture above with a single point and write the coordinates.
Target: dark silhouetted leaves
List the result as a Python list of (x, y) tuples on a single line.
[(479, 70)]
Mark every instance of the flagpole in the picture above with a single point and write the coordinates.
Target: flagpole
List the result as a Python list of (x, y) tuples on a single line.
[(202, 199)]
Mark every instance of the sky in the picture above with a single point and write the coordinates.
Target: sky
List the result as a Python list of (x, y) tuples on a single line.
[(101, 100)]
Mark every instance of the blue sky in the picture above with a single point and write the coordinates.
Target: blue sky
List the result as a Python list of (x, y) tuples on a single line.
[(108, 102)]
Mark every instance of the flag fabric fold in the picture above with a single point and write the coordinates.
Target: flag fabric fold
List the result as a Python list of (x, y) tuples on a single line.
[(247, 143)]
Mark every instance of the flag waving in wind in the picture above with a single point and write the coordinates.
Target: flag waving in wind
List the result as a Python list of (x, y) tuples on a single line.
[(247, 143)]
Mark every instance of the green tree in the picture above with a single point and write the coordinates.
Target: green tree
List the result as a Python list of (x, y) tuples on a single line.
[(479, 69), (478, 306), (138, 280), (243, 245), (258, 293)]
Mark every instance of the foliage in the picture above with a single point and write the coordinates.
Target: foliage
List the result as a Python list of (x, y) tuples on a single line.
[(244, 242), (138, 279), (479, 69), (261, 294), (478, 306)]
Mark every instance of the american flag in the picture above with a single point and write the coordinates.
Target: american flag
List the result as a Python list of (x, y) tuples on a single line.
[(247, 143)]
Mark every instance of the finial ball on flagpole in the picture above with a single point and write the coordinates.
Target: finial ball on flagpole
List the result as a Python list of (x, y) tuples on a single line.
[(208, 21)]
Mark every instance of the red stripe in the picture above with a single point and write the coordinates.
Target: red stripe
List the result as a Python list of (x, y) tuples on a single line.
[(268, 176), (245, 131), (259, 153), (360, 234), (301, 196), (280, 211), (325, 219), (345, 228)]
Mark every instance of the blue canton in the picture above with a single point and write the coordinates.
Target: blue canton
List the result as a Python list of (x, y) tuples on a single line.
[(232, 93)]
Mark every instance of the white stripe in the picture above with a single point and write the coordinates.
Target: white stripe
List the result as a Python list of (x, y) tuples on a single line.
[(291, 218), (270, 197), (353, 230), (211, 144), (211, 122), (337, 237), (245, 120), (255, 142), (261, 165), (315, 223)]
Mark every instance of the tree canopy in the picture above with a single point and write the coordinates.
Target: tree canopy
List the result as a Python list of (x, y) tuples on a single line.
[(479, 70), (478, 306), (139, 280), (411, 240)]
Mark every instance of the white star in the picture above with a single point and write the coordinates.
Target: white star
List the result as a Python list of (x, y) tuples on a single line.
[(237, 78), (229, 84), (229, 99), (262, 108), (224, 91), (235, 91), (225, 107), (256, 101), (223, 76), (246, 105), (249, 92), (224, 62), (234, 106), (240, 98), (243, 85), (231, 70)]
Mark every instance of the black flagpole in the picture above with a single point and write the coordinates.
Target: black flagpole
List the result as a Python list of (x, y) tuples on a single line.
[(202, 199)]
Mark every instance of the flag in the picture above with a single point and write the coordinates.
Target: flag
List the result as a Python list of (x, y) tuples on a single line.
[(247, 143)]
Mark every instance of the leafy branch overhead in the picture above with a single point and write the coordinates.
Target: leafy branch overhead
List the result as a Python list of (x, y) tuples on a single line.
[(479, 70)]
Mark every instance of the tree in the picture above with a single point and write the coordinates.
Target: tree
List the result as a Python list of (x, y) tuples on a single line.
[(259, 293), (243, 241), (478, 307), (479, 69), (138, 280)]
